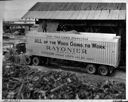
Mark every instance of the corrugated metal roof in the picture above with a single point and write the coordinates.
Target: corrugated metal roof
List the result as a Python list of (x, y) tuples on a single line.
[(76, 6), (92, 11)]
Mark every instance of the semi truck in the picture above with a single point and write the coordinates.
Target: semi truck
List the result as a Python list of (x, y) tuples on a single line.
[(98, 52)]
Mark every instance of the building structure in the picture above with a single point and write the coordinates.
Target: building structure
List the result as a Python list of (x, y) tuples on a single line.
[(82, 17)]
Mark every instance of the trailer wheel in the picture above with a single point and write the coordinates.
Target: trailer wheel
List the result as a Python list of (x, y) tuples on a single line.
[(91, 69), (28, 60), (36, 61), (103, 70)]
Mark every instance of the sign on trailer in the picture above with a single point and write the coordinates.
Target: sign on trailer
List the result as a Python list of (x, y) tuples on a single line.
[(76, 47)]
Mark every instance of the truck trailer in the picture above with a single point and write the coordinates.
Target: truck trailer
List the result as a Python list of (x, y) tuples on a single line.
[(99, 52)]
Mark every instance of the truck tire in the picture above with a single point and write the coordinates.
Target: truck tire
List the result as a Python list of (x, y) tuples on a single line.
[(36, 61), (28, 60), (91, 69), (103, 70)]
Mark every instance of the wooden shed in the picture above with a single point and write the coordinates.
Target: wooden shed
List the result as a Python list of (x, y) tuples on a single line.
[(83, 17)]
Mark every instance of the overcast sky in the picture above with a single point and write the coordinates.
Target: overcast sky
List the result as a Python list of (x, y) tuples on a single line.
[(15, 9)]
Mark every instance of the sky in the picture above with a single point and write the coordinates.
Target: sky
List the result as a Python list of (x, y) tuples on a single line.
[(15, 9)]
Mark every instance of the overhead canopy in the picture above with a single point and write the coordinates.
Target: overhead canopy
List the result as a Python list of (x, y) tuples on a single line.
[(77, 11)]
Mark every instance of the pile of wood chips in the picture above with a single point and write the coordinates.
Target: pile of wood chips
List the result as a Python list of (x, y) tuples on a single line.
[(22, 82)]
